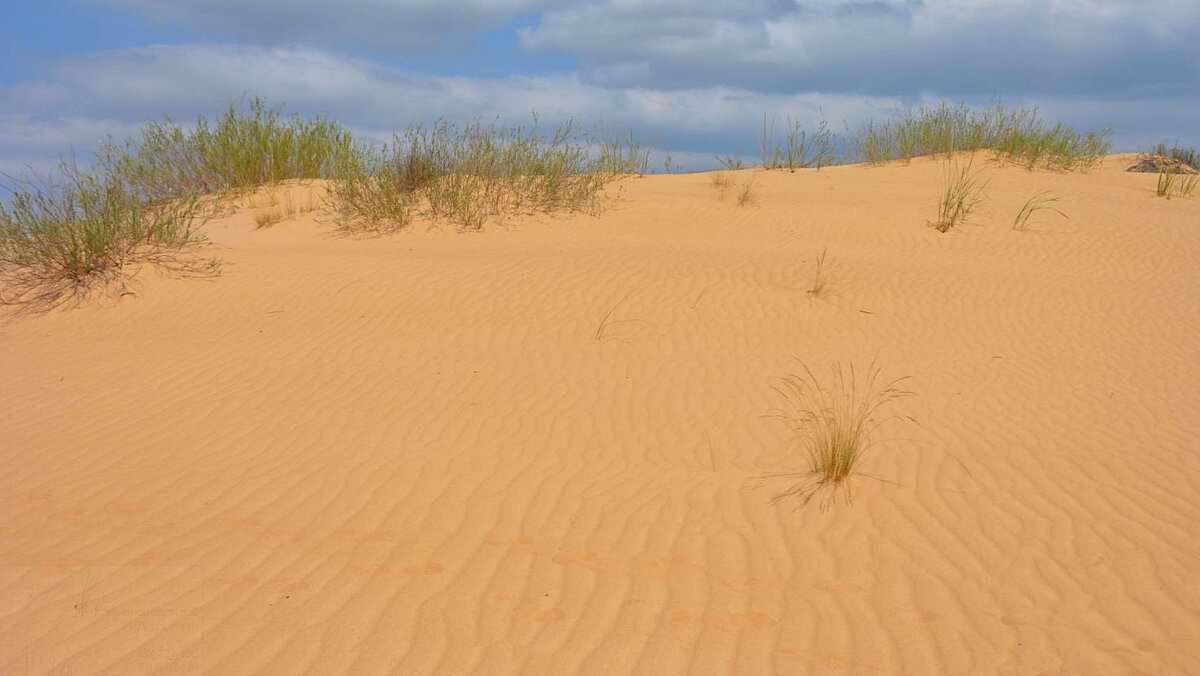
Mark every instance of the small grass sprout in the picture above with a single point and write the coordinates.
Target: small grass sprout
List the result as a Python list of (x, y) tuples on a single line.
[(820, 285), (1036, 203)]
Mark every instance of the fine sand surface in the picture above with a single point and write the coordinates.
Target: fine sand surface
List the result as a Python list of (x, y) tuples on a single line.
[(412, 455)]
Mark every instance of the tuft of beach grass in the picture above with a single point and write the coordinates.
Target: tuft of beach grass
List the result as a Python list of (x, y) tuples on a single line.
[(833, 422)]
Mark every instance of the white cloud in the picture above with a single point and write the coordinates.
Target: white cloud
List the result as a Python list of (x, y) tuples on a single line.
[(393, 25), (886, 47), (90, 96)]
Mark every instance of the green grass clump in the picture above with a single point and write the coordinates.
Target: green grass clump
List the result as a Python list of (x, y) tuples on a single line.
[(962, 191), (1036, 203), (833, 424), (469, 174), (61, 235), (623, 156), (1019, 136), (240, 150), (1171, 184), (800, 149)]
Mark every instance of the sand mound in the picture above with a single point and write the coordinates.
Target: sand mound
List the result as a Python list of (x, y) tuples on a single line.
[(1153, 163), (415, 455)]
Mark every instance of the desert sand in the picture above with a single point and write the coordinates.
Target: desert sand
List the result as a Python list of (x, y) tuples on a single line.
[(414, 455)]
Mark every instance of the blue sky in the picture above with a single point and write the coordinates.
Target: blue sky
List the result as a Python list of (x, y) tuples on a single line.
[(694, 76)]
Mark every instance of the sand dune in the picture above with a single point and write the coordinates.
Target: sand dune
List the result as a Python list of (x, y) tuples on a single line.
[(413, 455)]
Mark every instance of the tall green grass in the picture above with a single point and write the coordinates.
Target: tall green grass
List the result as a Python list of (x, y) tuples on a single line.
[(472, 173), (800, 148), (1019, 136), (962, 191), (59, 235), (1171, 184), (241, 149)]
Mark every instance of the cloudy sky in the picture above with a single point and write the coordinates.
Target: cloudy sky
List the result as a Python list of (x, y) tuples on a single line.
[(695, 76)]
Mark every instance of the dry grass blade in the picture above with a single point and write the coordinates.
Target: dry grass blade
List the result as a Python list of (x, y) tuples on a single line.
[(833, 424), (1036, 203), (821, 285)]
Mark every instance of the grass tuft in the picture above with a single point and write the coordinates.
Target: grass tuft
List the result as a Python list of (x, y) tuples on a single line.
[(747, 195), (834, 424), (801, 149), (1171, 184), (1036, 203), (721, 181), (962, 191)]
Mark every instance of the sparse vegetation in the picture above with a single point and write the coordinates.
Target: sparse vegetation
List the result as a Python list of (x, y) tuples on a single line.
[(747, 195), (731, 162), (623, 156), (60, 235), (801, 149), (1019, 136), (241, 150), (1036, 203), (606, 320), (820, 285), (1171, 184), (962, 191), (469, 174), (833, 424), (1187, 156)]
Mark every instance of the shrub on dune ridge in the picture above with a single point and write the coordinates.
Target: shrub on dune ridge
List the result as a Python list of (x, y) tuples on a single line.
[(59, 236), (1019, 136), (472, 173), (240, 150)]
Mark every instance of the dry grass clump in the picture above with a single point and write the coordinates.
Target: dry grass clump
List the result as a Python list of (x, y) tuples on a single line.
[(469, 174), (747, 195), (721, 181), (962, 191), (61, 235), (1036, 203), (833, 423)]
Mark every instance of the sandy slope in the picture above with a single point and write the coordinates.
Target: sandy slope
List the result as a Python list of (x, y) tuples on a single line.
[(411, 455)]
